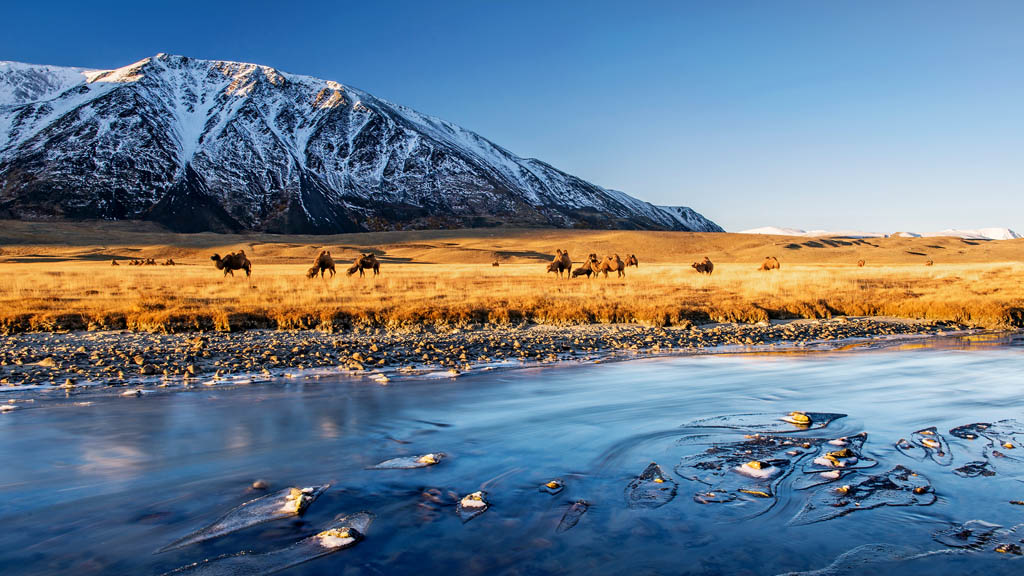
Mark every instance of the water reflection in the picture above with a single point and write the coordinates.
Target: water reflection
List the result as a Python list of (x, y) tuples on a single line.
[(95, 489)]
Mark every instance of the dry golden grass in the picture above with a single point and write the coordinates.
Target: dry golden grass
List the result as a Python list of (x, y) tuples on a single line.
[(60, 277)]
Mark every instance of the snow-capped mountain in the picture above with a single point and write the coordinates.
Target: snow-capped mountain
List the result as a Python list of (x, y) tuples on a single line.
[(212, 145), (978, 234)]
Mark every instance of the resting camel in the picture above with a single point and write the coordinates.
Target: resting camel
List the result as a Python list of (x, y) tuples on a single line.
[(929, 263), (495, 264), (233, 262), (561, 263), (860, 263), (704, 266), (364, 262), (613, 263), (770, 263), (588, 267), (322, 263), (168, 262), (632, 261)]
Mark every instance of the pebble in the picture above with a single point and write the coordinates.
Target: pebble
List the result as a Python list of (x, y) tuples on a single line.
[(112, 356)]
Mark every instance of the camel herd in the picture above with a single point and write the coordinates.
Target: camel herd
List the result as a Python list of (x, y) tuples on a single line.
[(592, 266), (561, 264), (144, 262)]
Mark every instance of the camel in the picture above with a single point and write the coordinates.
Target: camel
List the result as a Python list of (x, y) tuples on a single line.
[(495, 264), (613, 263), (770, 263), (561, 263), (929, 263), (322, 263), (588, 267), (860, 263), (114, 263), (583, 270), (705, 266), (233, 262), (364, 262), (168, 262), (632, 261)]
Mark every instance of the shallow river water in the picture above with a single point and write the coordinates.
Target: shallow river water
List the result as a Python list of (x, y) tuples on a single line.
[(98, 484)]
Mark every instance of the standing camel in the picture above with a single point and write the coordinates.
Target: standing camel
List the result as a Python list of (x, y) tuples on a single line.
[(322, 263), (613, 264), (233, 262), (561, 263), (364, 262)]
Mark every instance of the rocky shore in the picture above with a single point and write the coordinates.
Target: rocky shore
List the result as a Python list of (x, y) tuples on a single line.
[(125, 358)]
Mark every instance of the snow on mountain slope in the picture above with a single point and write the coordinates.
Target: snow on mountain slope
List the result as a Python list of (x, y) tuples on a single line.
[(23, 83), (214, 145), (979, 234)]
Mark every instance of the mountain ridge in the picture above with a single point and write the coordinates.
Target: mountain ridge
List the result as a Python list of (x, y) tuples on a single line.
[(217, 145)]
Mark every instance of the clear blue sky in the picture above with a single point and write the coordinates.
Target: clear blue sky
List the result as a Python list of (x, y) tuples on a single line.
[(876, 115)]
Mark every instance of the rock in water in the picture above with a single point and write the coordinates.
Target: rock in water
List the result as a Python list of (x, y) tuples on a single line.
[(651, 489), (553, 487), (572, 515), (284, 504), (472, 505), (346, 532), (409, 462), (897, 487), (769, 423), (973, 534), (926, 443)]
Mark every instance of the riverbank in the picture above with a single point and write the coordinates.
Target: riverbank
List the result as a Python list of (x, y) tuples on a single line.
[(127, 358)]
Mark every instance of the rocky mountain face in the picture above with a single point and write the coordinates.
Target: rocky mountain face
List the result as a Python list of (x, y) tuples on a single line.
[(202, 145)]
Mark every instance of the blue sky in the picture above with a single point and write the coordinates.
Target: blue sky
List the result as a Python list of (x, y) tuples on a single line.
[(875, 115)]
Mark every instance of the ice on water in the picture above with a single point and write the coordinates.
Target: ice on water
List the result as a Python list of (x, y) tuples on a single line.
[(897, 487), (410, 462), (651, 489), (283, 504), (344, 533)]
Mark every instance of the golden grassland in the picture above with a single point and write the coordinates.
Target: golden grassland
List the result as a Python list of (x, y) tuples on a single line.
[(59, 276)]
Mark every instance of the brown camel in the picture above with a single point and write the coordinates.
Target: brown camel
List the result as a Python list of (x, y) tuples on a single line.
[(168, 262), (613, 263), (364, 262), (770, 263), (233, 262), (705, 266), (860, 263), (929, 263), (561, 263), (632, 261), (588, 267), (322, 263), (114, 263), (495, 264)]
